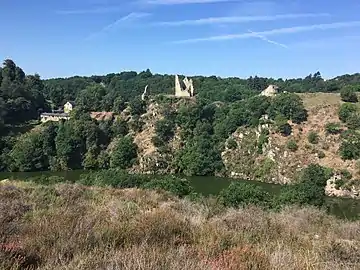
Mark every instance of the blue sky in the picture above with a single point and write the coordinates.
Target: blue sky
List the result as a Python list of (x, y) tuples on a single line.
[(279, 38)]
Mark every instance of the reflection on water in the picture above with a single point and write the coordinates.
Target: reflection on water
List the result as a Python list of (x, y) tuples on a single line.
[(209, 185)]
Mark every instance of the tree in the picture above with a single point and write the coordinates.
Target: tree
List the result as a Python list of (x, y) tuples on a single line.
[(90, 98), (137, 107), (120, 128), (348, 94), (310, 190), (289, 105), (199, 157), (124, 154), (28, 155)]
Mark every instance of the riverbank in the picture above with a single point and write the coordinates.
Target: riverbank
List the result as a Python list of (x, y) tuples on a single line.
[(76, 227), (344, 208)]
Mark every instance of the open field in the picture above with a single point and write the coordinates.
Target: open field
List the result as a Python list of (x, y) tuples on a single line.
[(72, 227)]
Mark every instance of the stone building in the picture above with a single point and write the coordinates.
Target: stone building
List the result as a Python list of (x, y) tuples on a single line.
[(69, 106), (57, 115), (184, 88), (45, 117)]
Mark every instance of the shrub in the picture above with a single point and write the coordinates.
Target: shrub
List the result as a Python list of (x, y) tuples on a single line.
[(339, 183), (175, 185), (304, 193), (282, 125), (292, 145), (232, 144), (113, 178), (345, 174), (353, 121), (348, 94), (350, 146), (241, 194), (157, 142), (333, 128), (321, 154), (263, 139), (346, 110), (313, 137), (165, 129)]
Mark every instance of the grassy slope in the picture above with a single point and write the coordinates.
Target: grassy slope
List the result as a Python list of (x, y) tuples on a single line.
[(73, 227)]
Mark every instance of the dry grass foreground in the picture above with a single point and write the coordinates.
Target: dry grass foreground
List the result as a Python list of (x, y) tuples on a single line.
[(73, 227)]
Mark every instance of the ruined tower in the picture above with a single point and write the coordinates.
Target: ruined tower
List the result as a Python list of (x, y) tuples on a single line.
[(184, 88)]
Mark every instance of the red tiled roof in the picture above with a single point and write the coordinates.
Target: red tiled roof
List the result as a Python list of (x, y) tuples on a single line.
[(100, 116)]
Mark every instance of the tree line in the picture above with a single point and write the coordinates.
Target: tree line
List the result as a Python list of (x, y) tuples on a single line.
[(222, 105)]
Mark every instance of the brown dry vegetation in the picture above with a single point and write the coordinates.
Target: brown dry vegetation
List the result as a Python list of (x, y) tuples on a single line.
[(72, 227)]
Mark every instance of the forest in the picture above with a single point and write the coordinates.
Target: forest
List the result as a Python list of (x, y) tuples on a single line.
[(222, 105)]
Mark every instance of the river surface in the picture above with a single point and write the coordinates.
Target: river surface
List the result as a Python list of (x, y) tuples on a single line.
[(209, 185)]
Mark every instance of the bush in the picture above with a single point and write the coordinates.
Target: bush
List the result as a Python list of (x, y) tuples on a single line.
[(350, 145), (346, 110), (157, 142), (232, 144), (292, 145), (353, 121), (112, 178), (304, 193), (241, 194), (333, 128), (175, 185), (345, 174), (321, 154), (165, 129), (348, 94), (310, 190), (339, 183), (313, 137), (282, 126), (263, 139)]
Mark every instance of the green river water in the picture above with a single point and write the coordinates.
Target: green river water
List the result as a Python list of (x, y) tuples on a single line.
[(209, 185)]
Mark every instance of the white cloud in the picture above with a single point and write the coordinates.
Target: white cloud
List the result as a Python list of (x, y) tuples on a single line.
[(269, 40), (278, 31), (240, 19), (126, 20), (183, 2)]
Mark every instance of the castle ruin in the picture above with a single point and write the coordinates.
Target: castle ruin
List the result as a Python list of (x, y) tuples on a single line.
[(184, 88), (271, 91)]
